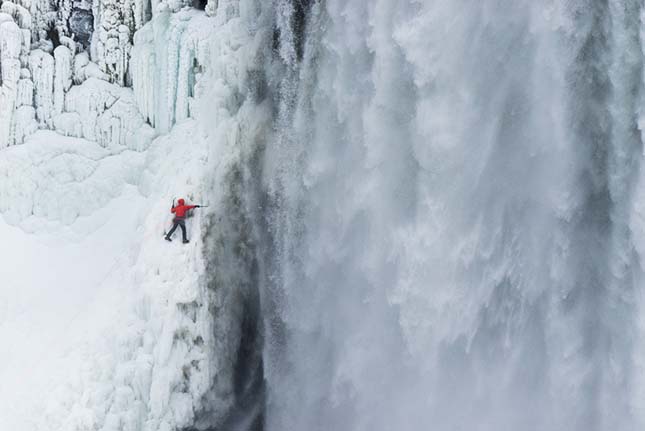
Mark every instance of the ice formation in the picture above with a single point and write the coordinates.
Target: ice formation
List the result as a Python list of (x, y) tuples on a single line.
[(49, 48), (421, 215), (166, 64), (98, 129)]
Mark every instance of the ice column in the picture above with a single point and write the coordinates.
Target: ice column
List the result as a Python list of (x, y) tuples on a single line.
[(42, 70), (10, 43), (62, 77), (166, 64)]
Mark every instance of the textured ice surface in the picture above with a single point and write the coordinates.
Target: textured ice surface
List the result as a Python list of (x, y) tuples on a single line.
[(108, 115), (441, 204), (10, 44), (33, 33), (105, 340), (134, 337), (167, 61)]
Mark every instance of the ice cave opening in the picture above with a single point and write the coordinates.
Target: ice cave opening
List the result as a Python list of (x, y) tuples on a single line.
[(200, 4), (53, 37)]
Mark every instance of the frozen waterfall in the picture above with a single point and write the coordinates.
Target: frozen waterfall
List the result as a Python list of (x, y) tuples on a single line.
[(422, 215)]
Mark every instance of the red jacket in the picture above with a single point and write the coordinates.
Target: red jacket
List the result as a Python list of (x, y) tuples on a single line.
[(180, 210)]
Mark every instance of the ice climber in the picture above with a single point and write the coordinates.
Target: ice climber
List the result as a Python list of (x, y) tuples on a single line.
[(180, 211)]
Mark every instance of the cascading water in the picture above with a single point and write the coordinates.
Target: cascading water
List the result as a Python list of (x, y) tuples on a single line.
[(451, 228)]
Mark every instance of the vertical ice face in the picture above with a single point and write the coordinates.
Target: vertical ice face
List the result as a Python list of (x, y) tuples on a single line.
[(112, 38), (28, 89), (99, 37), (17, 116), (191, 357), (10, 44), (167, 63), (50, 46), (62, 76), (41, 65)]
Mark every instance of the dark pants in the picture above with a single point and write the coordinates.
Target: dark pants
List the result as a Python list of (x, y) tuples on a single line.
[(181, 223)]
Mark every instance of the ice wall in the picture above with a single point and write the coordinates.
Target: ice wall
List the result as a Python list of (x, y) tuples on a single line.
[(51, 46), (204, 369), (167, 62), (16, 111), (147, 114)]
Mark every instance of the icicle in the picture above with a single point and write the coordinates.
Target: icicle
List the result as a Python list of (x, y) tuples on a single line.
[(21, 16), (25, 96), (185, 77), (24, 123), (142, 69), (26, 47), (62, 76), (10, 41), (167, 60), (42, 70)]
